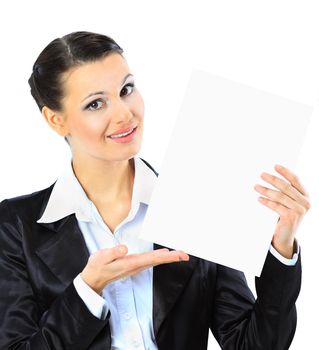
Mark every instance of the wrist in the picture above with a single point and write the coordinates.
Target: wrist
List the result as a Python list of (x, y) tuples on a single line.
[(92, 282), (285, 248)]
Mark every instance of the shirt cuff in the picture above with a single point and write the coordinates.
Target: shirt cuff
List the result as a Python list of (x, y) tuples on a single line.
[(288, 262), (93, 301)]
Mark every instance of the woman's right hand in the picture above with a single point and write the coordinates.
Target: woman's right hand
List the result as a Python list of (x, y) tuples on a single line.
[(107, 265)]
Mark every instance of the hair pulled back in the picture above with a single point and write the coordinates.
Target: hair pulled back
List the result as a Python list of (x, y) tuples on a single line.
[(58, 57)]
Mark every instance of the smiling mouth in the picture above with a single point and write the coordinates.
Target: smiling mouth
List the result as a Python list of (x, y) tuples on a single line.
[(124, 134)]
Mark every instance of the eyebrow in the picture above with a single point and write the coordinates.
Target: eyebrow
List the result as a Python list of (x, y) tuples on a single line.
[(103, 92)]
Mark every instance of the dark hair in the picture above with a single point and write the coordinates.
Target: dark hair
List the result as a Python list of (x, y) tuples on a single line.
[(58, 57)]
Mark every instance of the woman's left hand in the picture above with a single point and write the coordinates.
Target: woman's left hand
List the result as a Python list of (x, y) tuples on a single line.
[(291, 202)]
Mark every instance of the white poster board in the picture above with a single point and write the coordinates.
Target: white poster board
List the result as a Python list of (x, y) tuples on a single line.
[(225, 136)]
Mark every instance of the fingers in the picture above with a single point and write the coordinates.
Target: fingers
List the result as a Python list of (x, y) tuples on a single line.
[(280, 198), (283, 186), (106, 256), (142, 261), (289, 194), (292, 178), (275, 206)]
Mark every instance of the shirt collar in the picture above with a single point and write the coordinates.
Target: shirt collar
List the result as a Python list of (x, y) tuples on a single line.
[(68, 196)]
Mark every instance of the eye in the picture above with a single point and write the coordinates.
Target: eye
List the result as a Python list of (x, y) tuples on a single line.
[(95, 105), (131, 86)]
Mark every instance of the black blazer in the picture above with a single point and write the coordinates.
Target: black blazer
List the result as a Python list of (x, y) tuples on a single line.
[(40, 308)]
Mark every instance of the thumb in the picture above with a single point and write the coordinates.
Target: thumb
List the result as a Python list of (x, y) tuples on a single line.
[(106, 256)]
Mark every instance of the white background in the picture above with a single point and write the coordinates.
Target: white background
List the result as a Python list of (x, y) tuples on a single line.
[(271, 45)]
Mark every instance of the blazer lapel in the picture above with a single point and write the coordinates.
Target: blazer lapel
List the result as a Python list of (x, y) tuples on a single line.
[(65, 253), (168, 283)]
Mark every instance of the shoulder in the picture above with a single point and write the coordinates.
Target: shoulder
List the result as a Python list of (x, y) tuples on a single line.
[(24, 206)]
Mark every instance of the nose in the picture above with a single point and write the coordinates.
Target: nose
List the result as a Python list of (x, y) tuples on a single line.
[(121, 112)]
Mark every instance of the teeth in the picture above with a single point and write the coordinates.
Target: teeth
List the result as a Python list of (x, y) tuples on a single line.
[(121, 135)]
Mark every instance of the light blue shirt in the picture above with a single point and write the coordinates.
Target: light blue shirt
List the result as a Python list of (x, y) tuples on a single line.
[(130, 299)]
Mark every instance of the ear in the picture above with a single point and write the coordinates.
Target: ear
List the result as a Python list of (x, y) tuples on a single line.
[(56, 120)]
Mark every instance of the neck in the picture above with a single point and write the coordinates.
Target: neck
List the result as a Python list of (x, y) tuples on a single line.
[(105, 181)]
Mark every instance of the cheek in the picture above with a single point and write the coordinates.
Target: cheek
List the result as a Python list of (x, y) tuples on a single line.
[(90, 127)]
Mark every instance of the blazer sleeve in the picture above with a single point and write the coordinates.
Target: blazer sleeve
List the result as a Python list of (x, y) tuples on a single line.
[(238, 322), (67, 324)]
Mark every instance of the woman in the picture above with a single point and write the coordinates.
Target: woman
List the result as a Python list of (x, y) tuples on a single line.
[(74, 274)]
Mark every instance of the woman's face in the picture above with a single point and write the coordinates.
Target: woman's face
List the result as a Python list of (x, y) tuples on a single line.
[(101, 99)]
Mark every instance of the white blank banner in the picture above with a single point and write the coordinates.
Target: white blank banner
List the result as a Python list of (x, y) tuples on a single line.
[(225, 136)]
